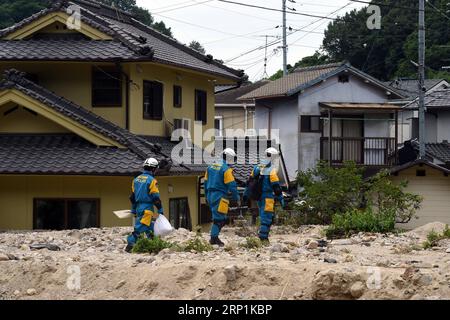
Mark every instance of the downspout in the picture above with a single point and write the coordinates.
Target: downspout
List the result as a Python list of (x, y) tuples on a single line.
[(246, 117), (127, 94), (127, 102)]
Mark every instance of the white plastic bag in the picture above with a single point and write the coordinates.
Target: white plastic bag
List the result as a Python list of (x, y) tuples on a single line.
[(162, 226)]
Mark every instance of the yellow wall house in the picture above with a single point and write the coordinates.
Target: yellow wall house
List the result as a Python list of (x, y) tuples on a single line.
[(432, 183), (82, 105)]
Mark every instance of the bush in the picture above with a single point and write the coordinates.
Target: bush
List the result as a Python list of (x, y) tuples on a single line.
[(354, 221), (146, 245), (252, 243), (197, 244), (433, 237), (327, 192)]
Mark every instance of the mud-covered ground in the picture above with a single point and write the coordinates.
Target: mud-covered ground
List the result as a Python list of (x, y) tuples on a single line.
[(91, 264)]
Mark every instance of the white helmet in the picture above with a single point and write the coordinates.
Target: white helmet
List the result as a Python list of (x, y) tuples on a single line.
[(272, 152), (151, 162), (229, 152)]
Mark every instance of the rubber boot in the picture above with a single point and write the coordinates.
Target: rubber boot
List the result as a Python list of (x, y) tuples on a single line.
[(216, 241), (129, 248)]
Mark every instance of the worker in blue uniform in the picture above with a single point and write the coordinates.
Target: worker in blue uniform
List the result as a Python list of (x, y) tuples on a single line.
[(219, 184), (269, 193), (145, 198)]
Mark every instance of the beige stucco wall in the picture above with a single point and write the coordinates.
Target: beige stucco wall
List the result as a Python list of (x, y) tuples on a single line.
[(234, 118), (17, 194), (434, 188)]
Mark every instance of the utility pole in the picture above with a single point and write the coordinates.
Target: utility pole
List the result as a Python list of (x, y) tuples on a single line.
[(285, 71), (422, 133), (265, 75)]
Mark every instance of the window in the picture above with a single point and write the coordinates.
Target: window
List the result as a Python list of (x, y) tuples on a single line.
[(60, 214), (205, 214), (218, 125), (310, 124), (343, 78), (106, 87), (177, 96), (179, 213), (182, 124), (421, 173), (200, 106), (153, 100)]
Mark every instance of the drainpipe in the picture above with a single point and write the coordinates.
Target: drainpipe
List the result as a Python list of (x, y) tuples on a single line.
[(127, 102), (127, 95), (246, 117)]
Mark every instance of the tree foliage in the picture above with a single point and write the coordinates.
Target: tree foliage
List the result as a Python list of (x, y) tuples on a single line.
[(197, 46), (387, 53), (13, 11), (329, 191)]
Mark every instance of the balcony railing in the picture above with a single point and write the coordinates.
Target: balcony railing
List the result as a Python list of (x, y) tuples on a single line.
[(366, 151)]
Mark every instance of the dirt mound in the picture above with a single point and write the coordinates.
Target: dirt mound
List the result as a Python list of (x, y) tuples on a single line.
[(297, 264), (423, 231)]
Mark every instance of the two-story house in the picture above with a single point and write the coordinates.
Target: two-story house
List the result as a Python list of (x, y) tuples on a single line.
[(87, 94), (236, 116), (334, 102)]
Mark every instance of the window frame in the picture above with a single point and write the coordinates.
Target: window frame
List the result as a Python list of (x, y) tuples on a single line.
[(220, 118), (105, 71), (199, 109), (177, 90), (306, 127), (148, 116), (66, 213)]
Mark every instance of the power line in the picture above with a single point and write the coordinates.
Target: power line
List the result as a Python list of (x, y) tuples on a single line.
[(182, 7), (385, 5), (438, 10), (274, 9)]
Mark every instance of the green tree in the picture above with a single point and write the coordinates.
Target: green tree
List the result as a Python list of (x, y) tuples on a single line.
[(316, 59), (14, 11), (197, 46), (386, 53)]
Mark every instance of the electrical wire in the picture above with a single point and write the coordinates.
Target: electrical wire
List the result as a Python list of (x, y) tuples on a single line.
[(274, 9), (185, 6)]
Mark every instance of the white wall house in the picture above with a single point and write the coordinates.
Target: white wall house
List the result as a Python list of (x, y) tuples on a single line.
[(301, 105)]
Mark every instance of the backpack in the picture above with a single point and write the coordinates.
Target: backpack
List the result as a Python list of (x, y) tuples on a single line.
[(255, 186)]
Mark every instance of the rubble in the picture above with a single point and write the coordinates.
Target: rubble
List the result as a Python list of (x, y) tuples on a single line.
[(299, 263)]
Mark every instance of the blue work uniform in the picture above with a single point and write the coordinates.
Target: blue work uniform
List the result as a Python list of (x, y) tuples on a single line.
[(144, 198), (271, 191), (219, 182)]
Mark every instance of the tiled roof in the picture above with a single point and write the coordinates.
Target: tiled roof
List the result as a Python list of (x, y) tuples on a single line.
[(144, 42), (252, 156), (438, 99), (231, 96), (63, 154), (440, 151), (301, 76), (59, 49), (409, 87), (136, 148)]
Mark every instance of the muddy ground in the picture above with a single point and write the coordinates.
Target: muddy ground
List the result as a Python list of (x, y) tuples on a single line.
[(91, 264)]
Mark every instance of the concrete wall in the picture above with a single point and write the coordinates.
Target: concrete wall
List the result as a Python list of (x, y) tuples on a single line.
[(434, 188), (17, 194)]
